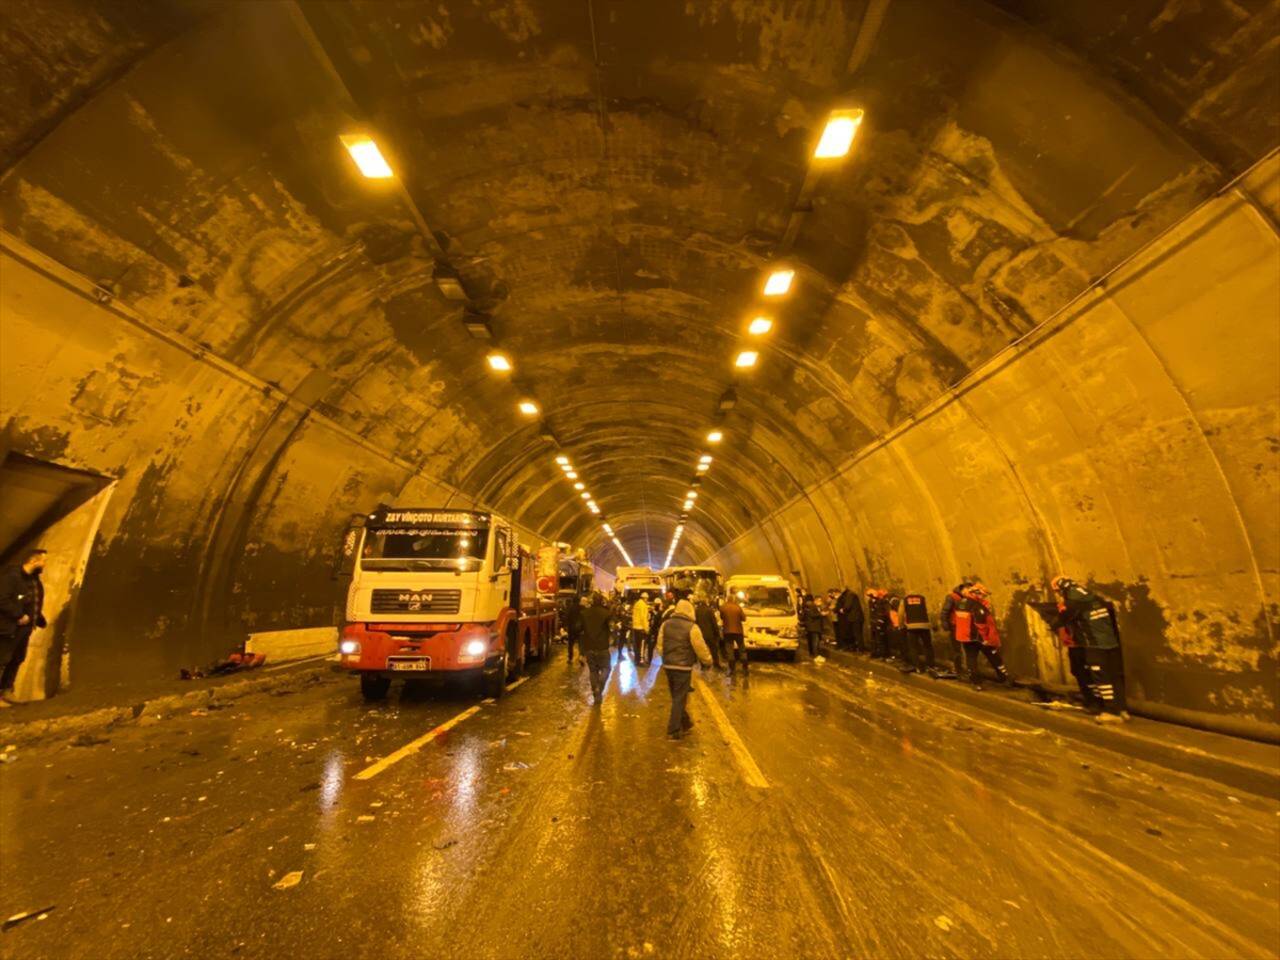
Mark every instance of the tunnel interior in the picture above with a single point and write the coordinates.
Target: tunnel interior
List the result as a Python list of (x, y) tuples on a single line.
[(1032, 327)]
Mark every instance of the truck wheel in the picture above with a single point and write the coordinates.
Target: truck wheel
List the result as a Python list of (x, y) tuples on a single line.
[(374, 687), (495, 683)]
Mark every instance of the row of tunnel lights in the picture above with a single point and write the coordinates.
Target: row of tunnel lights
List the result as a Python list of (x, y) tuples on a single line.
[(835, 142)]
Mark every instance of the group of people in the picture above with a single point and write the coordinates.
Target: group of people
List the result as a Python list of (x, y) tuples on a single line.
[(687, 631), (897, 627)]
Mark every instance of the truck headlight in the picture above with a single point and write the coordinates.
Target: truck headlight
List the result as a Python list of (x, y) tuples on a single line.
[(475, 648), (791, 633), (349, 648)]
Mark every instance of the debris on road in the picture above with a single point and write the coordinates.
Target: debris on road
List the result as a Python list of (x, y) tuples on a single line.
[(89, 740), (289, 880), (25, 915), (365, 818), (446, 844), (943, 922), (515, 765)]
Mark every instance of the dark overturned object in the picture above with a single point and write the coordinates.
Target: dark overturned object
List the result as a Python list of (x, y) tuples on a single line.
[(235, 663)]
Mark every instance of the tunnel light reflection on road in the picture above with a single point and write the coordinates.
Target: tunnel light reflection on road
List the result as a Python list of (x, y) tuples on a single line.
[(332, 779), (367, 156)]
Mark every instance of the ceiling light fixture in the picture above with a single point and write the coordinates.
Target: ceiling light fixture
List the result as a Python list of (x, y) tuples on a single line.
[(837, 136), (747, 358), (584, 495), (691, 495), (367, 156), (759, 326), (779, 283), (715, 436), (688, 505), (528, 408), (571, 474), (579, 485), (705, 458), (562, 460), (704, 467), (499, 362)]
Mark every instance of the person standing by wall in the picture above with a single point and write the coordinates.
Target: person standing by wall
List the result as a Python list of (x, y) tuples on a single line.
[(976, 630), (1092, 622), (915, 615), (878, 617), (949, 605), (682, 646), (596, 621), (21, 612), (849, 621), (811, 618), (733, 632)]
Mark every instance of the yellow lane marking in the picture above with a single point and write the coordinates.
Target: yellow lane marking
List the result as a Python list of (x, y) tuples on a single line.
[(751, 772), (413, 746)]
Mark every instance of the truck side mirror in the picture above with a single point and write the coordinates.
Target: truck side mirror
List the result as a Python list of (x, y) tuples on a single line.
[(345, 562)]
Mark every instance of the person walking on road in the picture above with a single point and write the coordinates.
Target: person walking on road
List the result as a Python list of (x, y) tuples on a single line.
[(572, 623), (21, 612), (704, 614), (639, 627), (682, 646), (596, 622), (656, 616), (733, 633)]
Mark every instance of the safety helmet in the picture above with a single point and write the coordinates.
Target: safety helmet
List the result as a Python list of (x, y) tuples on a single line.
[(644, 596), (1062, 583)]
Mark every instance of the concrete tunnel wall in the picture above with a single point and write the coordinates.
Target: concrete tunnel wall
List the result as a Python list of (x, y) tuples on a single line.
[(1130, 442), (201, 300)]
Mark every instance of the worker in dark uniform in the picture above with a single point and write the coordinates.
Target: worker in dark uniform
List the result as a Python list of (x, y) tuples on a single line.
[(976, 630), (656, 615), (849, 621), (1092, 623), (21, 612), (915, 621), (596, 623), (878, 621)]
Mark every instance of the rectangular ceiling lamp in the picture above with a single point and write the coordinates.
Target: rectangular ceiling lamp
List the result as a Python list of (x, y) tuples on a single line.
[(477, 325), (367, 156), (779, 283), (747, 358), (448, 282), (728, 399), (837, 136)]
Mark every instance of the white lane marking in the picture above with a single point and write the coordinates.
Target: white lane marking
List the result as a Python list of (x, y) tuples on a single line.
[(413, 746), (751, 771)]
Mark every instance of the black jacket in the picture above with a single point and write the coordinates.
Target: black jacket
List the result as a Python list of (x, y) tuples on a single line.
[(848, 607), (21, 594), (812, 615), (593, 634), (704, 614)]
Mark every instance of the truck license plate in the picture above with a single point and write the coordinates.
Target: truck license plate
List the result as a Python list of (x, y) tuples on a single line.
[(409, 663)]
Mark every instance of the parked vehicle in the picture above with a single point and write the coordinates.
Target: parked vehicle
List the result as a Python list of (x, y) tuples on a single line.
[(772, 611), (683, 580), (439, 593), (633, 581)]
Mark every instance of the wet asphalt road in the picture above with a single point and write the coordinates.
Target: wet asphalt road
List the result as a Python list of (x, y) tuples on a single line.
[(813, 812)]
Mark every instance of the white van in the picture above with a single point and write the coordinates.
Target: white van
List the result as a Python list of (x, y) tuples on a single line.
[(772, 613)]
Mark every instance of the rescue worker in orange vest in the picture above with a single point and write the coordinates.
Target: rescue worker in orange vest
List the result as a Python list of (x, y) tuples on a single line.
[(1091, 621), (897, 629), (976, 630), (919, 648), (948, 615)]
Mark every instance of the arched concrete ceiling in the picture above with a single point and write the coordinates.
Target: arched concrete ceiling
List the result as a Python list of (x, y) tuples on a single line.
[(610, 180)]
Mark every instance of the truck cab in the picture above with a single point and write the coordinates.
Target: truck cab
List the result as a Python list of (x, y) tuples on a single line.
[(683, 581), (771, 611), (439, 593)]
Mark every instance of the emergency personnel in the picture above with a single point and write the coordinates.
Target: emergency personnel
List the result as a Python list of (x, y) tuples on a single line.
[(682, 646), (639, 626), (976, 631), (915, 617), (897, 630), (811, 618), (1091, 621), (733, 633), (595, 621), (878, 619), (21, 611), (948, 615), (849, 621), (704, 613)]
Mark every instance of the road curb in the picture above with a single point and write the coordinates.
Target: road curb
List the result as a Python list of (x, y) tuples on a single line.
[(1256, 771), (22, 732)]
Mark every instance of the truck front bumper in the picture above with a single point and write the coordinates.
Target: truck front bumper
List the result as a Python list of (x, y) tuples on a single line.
[(409, 650)]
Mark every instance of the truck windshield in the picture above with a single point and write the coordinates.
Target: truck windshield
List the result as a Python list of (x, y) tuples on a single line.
[(426, 548), (684, 582), (766, 601)]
